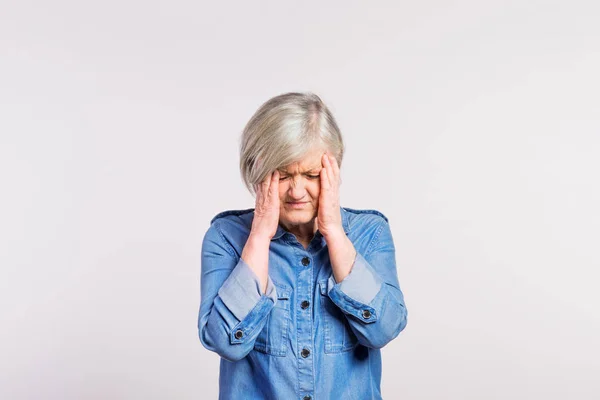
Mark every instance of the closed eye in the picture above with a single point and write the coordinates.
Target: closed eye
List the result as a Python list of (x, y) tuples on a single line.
[(282, 178)]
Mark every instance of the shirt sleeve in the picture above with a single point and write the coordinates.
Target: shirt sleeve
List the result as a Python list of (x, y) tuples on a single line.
[(241, 290), (370, 295), (233, 311)]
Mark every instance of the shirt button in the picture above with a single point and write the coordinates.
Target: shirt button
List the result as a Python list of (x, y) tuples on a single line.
[(305, 304), (366, 314), (307, 397), (239, 334), (305, 261), (305, 352)]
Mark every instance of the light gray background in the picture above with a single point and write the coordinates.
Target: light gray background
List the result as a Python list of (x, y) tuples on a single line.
[(473, 125)]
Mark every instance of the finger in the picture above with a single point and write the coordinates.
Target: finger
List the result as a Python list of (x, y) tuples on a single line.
[(329, 170), (324, 180), (259, 193), (332, 172), (266, 182), (334, 166), (263, 187), (274, 187)]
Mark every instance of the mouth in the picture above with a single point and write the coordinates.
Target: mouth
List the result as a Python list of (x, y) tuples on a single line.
[(296, 204)]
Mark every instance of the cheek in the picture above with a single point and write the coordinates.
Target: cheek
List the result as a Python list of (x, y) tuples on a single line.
[(282, 191), (314, 189)]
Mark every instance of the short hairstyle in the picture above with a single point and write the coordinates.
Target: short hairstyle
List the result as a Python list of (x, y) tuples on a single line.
[(282, 131)]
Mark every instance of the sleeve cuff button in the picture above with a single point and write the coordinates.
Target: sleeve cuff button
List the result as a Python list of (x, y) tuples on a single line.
[(366, 314), (239, 334)]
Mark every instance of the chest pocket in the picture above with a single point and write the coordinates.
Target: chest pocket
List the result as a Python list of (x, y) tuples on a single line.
[(273, 338), (338, 336)]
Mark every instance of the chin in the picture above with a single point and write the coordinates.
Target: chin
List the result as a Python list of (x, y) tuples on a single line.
[(299, 216)]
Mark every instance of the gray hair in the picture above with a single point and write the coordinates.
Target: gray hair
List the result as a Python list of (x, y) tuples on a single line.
[(282, 131)]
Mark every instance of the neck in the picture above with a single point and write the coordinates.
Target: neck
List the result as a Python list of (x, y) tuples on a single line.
[(302, 231)]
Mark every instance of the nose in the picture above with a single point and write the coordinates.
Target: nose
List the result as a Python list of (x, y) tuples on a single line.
[(296, 190)]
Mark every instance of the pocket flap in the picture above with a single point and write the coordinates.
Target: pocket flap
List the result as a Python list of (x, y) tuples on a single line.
[(323, 287), (283, 292)]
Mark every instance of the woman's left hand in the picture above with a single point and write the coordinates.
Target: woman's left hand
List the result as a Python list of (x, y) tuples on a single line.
[(329, 218)]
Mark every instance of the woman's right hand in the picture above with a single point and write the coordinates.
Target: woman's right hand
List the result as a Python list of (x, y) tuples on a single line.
[(266, 211), (264, 227)]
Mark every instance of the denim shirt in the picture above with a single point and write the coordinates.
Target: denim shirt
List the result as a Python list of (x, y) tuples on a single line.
[(308, 337)]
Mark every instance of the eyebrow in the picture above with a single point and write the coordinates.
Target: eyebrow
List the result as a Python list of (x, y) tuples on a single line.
[(305, 172)]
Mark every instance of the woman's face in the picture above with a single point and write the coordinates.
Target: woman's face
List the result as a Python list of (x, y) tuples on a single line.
[(299, 188)]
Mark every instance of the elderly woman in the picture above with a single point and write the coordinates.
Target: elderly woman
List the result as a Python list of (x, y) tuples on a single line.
[(298, 295)]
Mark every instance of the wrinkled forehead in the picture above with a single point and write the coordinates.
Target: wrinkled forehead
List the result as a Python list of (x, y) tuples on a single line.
[(311, 162), (295, 169)]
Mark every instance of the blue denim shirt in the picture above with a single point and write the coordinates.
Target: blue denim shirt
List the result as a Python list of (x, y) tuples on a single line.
[(308, 336)]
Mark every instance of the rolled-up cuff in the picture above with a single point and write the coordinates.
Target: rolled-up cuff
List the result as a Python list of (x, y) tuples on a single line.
[(361, 284), (241, 290)]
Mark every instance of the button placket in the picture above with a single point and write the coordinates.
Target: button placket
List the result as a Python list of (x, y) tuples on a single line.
[(304, 327)]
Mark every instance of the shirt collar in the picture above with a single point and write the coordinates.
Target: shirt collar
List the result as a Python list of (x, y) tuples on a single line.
[(345, 224)]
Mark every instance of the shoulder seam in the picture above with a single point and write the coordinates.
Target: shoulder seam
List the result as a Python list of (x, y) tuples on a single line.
[(367, 211), (226, 213)]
